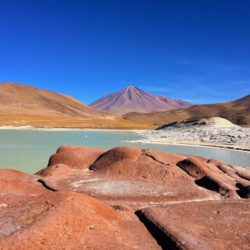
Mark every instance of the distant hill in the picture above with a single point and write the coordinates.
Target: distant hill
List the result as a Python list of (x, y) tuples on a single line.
[(237, 111), (133, 99), (24, 105), (27, 100), (204, 122)]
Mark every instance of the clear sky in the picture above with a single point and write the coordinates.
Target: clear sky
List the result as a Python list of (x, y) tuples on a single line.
[(198, 51)]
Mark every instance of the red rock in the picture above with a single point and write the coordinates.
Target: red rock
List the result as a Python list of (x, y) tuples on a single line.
[(55, 170), (214, 175), (42, 219), (129, 176), (75, 157), (115, 155), (165, 158), (200, 225), (203, 203), (80, 148), (17, 183)]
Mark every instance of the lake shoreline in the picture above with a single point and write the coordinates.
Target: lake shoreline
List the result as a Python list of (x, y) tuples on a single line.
[(235, 138), (30, 128), (136, 131), (36, 145), (191, 145)]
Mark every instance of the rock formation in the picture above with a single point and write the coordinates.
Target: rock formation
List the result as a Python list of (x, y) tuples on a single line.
[(202, 225), (125, 198), (32, 216)]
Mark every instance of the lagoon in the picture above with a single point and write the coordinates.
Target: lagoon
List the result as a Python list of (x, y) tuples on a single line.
[(29, 150)]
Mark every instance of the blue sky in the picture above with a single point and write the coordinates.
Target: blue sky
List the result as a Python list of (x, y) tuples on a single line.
[(198, 51)]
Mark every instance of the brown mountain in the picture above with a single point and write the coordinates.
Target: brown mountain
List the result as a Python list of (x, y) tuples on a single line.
[(24, 105), (237, 111), (133, 99), (27, 100)]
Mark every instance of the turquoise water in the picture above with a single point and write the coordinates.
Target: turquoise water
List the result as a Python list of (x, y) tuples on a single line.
[(29, 150)]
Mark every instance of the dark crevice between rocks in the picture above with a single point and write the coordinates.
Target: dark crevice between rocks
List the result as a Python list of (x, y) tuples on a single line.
[(212, 185), (223, 170), (165, 241), (229, 173), (243, 191), (191, 168), (92, 165), (44, 184), (208, 183), (153, 158), (242, 176)]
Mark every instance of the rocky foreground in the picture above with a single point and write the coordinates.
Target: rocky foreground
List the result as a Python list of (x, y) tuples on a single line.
[(125, 198)]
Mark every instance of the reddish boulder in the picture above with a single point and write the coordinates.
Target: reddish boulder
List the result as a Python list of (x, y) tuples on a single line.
[(75, 156), (17, 183), (115, 155), (127, 175), (186, 202), (200, 225), (216, 176), (77, 148), (35, 217), (55, 170)]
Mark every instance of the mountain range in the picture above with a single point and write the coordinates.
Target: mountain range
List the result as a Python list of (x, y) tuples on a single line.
[(25, 105), (237, 111), (133, 99), (22, 105)]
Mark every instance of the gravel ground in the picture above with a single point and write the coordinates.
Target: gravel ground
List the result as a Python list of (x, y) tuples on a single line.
[(228, 137)]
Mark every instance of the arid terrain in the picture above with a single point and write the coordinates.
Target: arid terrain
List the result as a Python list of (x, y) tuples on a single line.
[(237, 111), (24, 105), (212, 132), (27, 100), (125, 125), (125, 198), (38, 121)]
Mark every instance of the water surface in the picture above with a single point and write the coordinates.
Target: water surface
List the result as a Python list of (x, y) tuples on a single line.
[(29, 150)]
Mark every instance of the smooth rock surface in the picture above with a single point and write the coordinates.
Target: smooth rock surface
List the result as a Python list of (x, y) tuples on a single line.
[(201, 225), (125, 198), (34, 217), (138, 178)]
